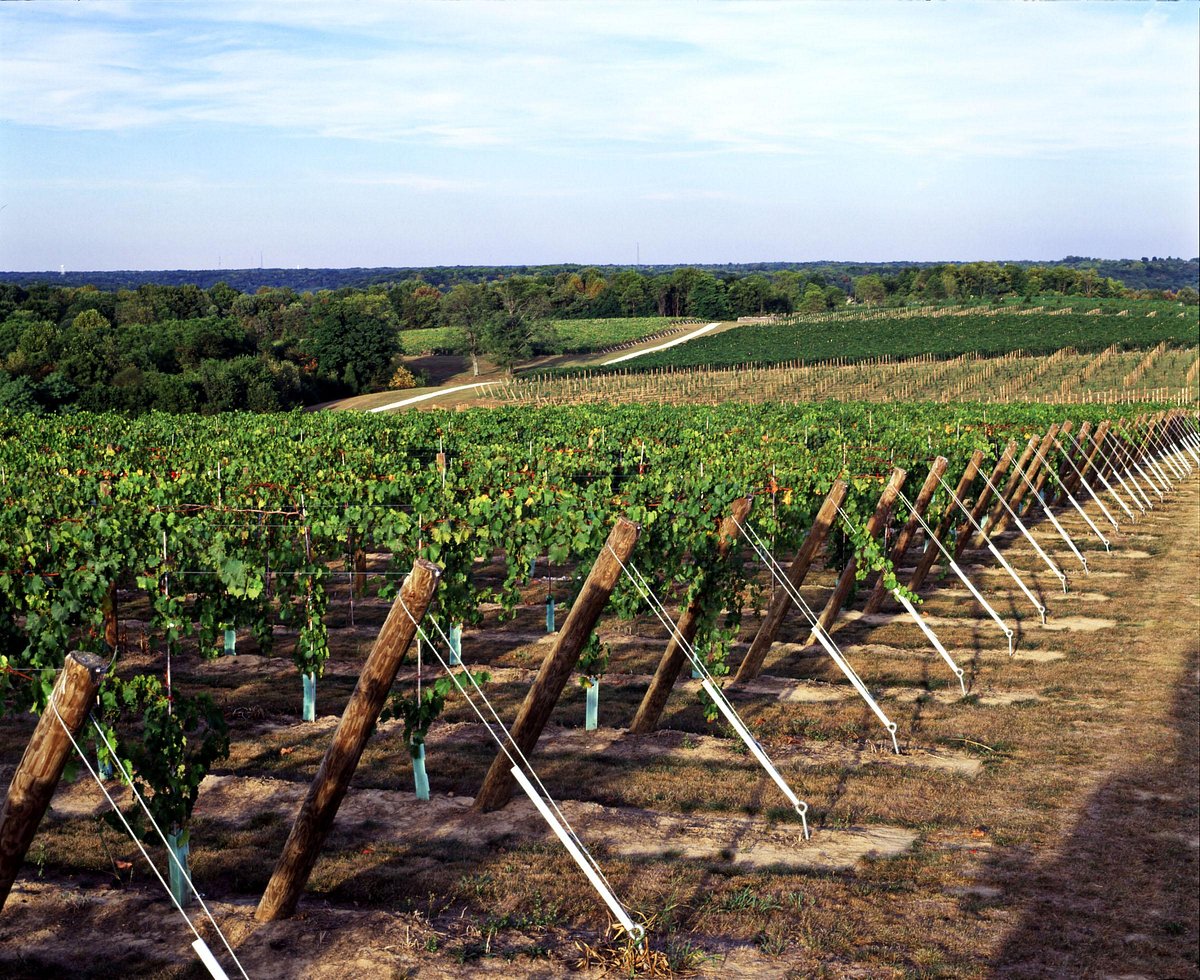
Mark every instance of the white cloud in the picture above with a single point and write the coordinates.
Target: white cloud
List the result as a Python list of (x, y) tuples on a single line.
[(1000, 80)]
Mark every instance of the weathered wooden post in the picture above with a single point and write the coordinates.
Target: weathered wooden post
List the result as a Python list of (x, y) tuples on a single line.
[(927, 560), (556, 669), (1021, 487), (879, 593), (875, 527), (966, 531), (328, 789), (1070, 478), (781, 601), (1043, 462), (655, 698), (998, 515), (41, 767)]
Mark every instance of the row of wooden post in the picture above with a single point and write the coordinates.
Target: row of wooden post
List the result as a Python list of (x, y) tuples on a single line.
[(42, 764)]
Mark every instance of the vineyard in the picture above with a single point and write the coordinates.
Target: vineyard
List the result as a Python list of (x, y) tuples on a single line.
[(943, 333), (1066, 377), (240, 579)]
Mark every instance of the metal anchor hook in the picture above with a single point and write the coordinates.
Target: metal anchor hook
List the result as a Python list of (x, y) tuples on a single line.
[(961, 683), (892, 731), (802, 809)]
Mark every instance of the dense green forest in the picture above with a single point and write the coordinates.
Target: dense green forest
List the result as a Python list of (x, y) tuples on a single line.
[(184, 348), (1147, 272)]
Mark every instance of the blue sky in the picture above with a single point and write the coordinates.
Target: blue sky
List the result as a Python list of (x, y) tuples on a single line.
[(192, 135)]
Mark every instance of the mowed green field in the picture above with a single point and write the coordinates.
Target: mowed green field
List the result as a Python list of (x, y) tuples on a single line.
[(855, 338)]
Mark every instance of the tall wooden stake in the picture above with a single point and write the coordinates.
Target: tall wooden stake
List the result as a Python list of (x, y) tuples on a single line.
[(1044, 468), (875, 527), (1071, 479), (967, 530), (781, 601), (556, 669), (1006, 492), (1019, 488), (41, 767), (328, 789), (933, 552), (655, 698), (903, 539)]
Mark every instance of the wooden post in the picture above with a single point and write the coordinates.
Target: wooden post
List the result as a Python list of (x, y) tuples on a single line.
[(1018, 491), (1044, 468), (560, 661), (655, 698), (879, 593), (781, 601), (1071, 479), (328, 789), (967, 531), (874, 528), (108, 607), (41, 767), (1004, 493), (932, 552)]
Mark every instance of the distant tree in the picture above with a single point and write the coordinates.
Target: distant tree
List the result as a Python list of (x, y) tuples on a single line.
[(707, 300), (870, 289), (354, 339), (508, 338), (813, 300), (467, 308)]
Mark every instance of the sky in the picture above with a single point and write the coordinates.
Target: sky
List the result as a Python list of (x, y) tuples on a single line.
[(229, 133)]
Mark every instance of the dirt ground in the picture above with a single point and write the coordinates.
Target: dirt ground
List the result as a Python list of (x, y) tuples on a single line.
[(1045, 825)]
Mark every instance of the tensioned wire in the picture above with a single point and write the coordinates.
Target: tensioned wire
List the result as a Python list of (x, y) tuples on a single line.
[(993, 549), (1070, 497), (1087, 486), (1099, 471), (931, 536), (1053, 520), (158, 830), (823, 636), (1057, 572), (527, 766), (647, 593)]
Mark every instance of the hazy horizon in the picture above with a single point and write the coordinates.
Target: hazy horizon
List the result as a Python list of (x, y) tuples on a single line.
[(143, 136)]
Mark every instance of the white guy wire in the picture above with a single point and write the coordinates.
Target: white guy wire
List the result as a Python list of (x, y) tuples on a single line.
[(199, 942), (821, 634), (714, 692), (999, 557), (1053, 520), (1088, 487), (1070, 497), (1099, 471), (637, 931), (911, 609), (1025, 531)]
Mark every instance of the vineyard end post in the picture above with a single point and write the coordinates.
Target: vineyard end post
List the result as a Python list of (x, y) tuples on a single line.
[(328, 789), (41, 767)]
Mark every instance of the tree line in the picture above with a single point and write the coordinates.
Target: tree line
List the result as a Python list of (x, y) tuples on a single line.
[(184, 348)]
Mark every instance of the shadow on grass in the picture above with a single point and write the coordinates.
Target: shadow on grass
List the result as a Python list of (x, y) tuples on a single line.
[(1121, 897)]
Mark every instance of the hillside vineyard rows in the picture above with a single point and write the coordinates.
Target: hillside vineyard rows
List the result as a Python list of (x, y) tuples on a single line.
[(269, 530)]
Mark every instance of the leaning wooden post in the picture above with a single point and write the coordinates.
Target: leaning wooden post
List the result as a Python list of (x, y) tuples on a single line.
[(1018, 491), (655, 698), (556, 669), (998, 515), (874, 528), (932, 551), (781, 601), (967, 531), (328, 789), (1070, 478), (41, 767), (903, 539), (1044, 468)]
